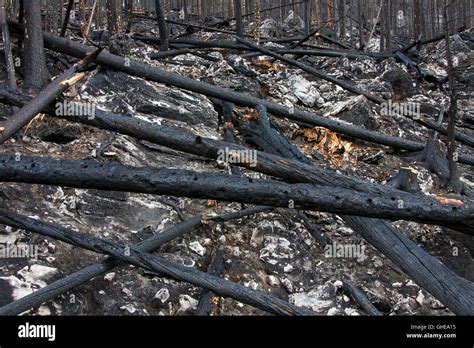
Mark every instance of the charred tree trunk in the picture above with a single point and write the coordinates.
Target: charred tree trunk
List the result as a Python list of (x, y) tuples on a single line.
[(342, 20), (46, 96), (97, 16), (156, 264), (114, 20), (94, 175), (454, 179), (7, 46), (66, 18), (388, 25), (129, 6), (361, 26), (238, 18), (417, 13), (77, 278), (154, 74), (36, 72), (307, 17), (452, 290), (163, 27)]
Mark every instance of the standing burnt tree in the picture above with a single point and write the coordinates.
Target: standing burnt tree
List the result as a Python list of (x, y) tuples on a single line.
[(114, 18), (36, 72), (238, 18), (454, 180), (7, 46), (129, 6), (342, 19), (67, 16), (307, 17), (162, 26), (417, 19)]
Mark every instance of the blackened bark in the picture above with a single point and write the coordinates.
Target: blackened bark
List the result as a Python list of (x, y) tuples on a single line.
[(36, 72), (154, 74), (114, 17), (155, 264), (454, 178), (439, 210), (66, 18), (7, 46), (163, 27), (46, 96), (238, 18), (77, 278), (129, 4)]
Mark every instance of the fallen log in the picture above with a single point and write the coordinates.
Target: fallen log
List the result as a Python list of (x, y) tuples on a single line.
[(334, 42), (304, 39), (187, 43), (178, 139), (336, 54), (425, 42), (413, 260), (430, 124), (313, 71), (452, 290), (155, 264), (175, 52), (292, 170), (187, 142), (75, 279), (266, 138), (420, 74), (439, 210), (154, 74), (23, 116), (360, 298)]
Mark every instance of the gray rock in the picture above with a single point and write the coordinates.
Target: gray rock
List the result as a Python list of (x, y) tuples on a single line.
[(124, 94), (401, 81)]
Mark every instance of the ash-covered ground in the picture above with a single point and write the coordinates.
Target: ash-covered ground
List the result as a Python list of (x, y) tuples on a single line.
[(271, 251)]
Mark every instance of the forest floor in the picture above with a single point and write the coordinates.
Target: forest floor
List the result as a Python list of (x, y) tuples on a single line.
[(269, 251)]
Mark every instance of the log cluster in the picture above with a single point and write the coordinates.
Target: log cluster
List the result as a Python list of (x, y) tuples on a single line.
[(297, 182)]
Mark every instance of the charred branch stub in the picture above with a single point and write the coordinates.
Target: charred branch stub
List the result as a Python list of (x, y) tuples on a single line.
[(46, 96)]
